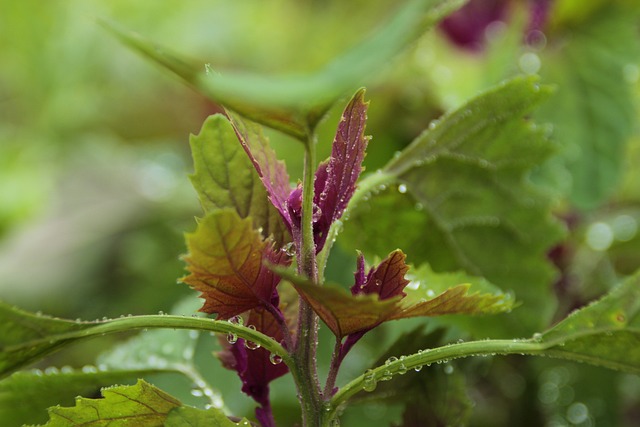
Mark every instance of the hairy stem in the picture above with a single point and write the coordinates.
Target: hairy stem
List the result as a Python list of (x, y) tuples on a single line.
[(334, 367), (306, 375)]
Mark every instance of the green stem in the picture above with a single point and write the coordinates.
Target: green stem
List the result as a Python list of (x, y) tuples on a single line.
[(435, 355), (128, 324), (304, 369)]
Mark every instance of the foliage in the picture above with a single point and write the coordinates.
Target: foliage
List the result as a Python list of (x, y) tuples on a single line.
[(504, 226)]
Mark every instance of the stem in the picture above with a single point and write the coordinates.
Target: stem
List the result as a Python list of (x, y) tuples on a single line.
[(306, 375), (435, 355), (277, 314), (336, 360)]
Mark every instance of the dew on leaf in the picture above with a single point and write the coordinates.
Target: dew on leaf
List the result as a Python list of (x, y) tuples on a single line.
[(232, 338), (402, 188), (418, 368), (36, 372), (88, 369), (51, 370), (390, 360), (237, 320), (250, 345), (537, 337), (197, 392), (369, 383)]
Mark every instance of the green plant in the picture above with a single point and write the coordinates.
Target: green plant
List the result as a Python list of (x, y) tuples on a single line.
[(464, 199)]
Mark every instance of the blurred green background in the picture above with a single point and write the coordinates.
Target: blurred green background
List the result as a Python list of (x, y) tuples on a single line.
[(94, 158)]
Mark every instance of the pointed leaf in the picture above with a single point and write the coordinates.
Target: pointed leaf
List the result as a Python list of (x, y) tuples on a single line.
[(342, 312), (141, 404), (225, 178), (25, 396), (226, 261), (338, 178), (271, 171), (464, 183), (295, 103), (387, 279), (187, 416), (604, 333), (18, 327)]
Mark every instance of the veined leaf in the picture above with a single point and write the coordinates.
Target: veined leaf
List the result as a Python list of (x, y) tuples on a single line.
[(463, 183), (186, 416), (604, 333), (225, 178), (592, 111), (25, 396), (141, 404), (18, 327), (295, 103), (226, 261)]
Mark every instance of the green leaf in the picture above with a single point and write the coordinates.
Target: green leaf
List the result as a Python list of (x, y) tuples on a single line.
[(226, 263), (225, 178), (18, 327), (604, 333), (26, 337), (186, 416), (464, 183), (25, 396), (593, 110), (138, 405), (294, 103)]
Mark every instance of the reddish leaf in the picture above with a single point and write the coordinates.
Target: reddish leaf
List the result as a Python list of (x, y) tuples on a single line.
[(254, 366), (386, 280), (342, 312), (272, 172), (226, 261)]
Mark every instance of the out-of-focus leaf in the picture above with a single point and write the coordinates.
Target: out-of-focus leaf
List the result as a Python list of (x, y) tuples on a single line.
[(294, 103), (593, 110), (464, 183), (140, 404), (25, 396), (225, 260), (225, 178), (604, 333), (186, 416), (387, 279), (18, 327)]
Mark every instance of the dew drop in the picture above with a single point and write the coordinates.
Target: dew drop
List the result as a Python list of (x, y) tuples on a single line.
[(390, 360), (250, 345), (418, 368), (88, 369), (237, 320), (386, 375), (369, 384), (537, 337), (232, 338), (275, 359), (402, 369), (197, 392), (402, 188), (51, 370), (289, 249), (448, 369)]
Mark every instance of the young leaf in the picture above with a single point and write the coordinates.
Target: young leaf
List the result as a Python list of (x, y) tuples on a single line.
[(464, 182), (187, 416), (226, 261), (25, 396), (225, 178), (271, 171), (141, 404), (256, 367)]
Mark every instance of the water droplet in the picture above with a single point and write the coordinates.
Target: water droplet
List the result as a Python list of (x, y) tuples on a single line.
[(448, 369), (207, 69), (433, 124), (537, 336), (624, 227), (232, 338), (390, 360), (237, 320), (599, 236), (66, 369), (197, 392), (369, 383), (51, 370), (577, 413), (386, 375), (88, 369), (402, 188), (529, 63), (160, 313), (419, 206), (275, 359), (250, 345), (289, 249), (418, 368)]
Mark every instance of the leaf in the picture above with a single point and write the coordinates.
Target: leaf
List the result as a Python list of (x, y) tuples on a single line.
[(141, 404), (272, 172), (186, 416), (18, 327), (25, 396), (604, 333), (593, 111), (336, 181), (225, 178), (457, 293), (387, 279), (295, 103), (225, 262), (463, 183)]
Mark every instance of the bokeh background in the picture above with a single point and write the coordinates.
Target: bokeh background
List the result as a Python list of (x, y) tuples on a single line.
[(94, 163)]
